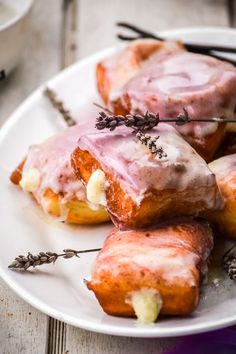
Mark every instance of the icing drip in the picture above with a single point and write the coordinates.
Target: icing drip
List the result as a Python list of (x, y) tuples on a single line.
[(139, 171), (52, 160)]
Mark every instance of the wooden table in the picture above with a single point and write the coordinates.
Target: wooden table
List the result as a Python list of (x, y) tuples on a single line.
[(62, 32)]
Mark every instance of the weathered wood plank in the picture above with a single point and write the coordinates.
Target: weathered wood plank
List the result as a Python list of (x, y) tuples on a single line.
[(83, 342), (69, 33), (56, 336), (96, 22), (23, 329), (87, 342), (56, 343)]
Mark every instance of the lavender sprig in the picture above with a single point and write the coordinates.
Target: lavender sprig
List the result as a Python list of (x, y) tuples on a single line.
[(59, 105), (229, 262), (151, 143), (22, 263), (137, 122), (149, 120)]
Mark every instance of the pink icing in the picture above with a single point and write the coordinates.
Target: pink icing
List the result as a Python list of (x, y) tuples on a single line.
[(139, 171), (52, 160), (203, 85), (122, 66), (164, 250)]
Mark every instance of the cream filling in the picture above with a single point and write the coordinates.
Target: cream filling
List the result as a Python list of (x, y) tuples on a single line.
[(30, 180), (96, 187), (146, 304)]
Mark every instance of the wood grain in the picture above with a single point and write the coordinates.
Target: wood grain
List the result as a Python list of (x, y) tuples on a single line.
[(23, 329), (69, 33), (56, 343), (83, 342)]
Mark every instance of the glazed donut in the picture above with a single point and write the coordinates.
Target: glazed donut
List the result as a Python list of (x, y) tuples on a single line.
[(144, 272), (139, 188), (46, 172), (169, 81), (113, 73)]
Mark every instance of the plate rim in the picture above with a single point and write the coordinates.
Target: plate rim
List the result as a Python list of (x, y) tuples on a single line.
[(138, 332)]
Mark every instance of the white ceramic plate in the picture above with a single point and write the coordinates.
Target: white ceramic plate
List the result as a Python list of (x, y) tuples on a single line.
[(59, 290)]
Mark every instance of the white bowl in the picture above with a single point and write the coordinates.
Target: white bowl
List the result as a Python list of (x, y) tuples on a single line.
[(13, 30)]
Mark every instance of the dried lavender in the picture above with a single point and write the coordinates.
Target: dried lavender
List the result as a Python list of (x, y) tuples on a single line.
[(147, 121), (137, 122), (151, 143), (229, 262), (22, 263), (59, 105)]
